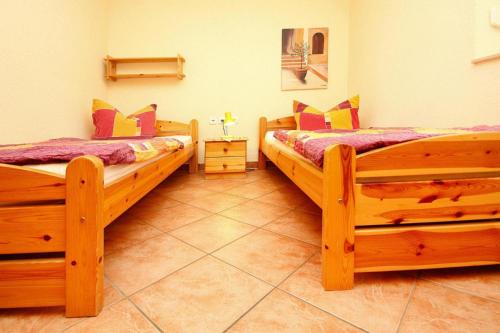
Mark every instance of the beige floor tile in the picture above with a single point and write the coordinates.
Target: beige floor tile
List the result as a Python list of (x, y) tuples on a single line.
[(176, 217), (121, 317), (126, 231), (255, 213), (220, 185), (138, 266), (207, 296), (216, 202), (190, 193), (280, 312), (435, 308), (212, 232), (254, 190), (376, 303), (156, 199), (287, 197), (266, 255), (481, 281), (111, 294), (299, 225), (35, 320)]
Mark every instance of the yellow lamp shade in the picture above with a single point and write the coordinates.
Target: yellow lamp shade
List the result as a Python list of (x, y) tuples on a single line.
[(228, 119)]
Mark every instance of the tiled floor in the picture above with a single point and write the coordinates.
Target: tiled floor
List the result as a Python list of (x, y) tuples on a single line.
[(219, 255)]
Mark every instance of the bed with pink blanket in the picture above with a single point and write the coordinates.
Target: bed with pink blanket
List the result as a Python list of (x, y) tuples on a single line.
[(312, 144)]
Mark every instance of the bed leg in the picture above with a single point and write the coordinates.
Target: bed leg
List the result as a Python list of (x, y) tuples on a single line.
[(338, 218), (84, 236), (193, 162), (262, 136)]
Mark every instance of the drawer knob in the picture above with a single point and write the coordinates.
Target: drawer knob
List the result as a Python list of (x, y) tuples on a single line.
[(224, 166), (225, 150)]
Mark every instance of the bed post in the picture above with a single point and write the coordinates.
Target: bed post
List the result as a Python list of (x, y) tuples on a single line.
[(84, 236), (338, 218), (262, 134), (193, 162)]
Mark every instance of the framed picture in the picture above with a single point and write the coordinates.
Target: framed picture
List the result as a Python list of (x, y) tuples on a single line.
[(304, 58)]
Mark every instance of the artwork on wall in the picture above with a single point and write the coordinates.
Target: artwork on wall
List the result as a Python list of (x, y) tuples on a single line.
[(304, 58)]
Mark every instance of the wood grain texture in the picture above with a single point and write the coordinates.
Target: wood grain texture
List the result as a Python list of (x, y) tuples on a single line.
[(193, 131), (225, 164), (32, 283), (223, 149), (84, 236), (32, 229), (429, 201), (420, 247), (21, 184), (338, 218), (262, 136), (450, 151), (168, 127), (306, 176), (282, 123), (123, 193)]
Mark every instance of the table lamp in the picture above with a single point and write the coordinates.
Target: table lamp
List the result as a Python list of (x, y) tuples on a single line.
[(228, 121)]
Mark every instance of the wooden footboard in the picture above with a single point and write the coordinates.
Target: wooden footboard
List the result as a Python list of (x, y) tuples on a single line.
[(52, 227), (427, 203)]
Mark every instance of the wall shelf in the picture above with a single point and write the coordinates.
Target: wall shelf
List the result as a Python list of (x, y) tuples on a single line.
[(111, 65)]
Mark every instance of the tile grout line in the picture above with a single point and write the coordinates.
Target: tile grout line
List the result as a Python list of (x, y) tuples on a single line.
[(261, 299), (410, 298), (459, 290)]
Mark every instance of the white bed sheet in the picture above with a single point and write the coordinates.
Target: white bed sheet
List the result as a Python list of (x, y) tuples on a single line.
[(112, 172)]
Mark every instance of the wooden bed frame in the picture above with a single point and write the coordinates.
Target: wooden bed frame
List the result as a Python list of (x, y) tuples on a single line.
[(422, 204), (52, 227)]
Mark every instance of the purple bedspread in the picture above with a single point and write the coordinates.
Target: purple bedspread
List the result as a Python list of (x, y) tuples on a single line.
[(65, 149)]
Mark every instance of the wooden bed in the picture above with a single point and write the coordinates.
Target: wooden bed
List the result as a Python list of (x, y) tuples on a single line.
[(428, 203), (52, 227)]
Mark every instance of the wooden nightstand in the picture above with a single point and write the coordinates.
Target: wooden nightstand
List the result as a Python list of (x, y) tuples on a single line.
[(223, 156)]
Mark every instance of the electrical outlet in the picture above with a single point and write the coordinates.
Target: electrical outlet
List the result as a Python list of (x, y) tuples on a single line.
[(212, 120), (221, 120)]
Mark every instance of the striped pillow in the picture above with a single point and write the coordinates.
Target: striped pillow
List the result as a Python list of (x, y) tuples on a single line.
[(111, 123), (342, 116)]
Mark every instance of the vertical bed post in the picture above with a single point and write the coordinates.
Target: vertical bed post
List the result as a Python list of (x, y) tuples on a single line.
[(84, 236), (193, 162), (338, 218), (262, 135)]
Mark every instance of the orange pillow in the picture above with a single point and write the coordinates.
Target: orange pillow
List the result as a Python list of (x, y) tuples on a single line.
[(111, 123), (341, 116)]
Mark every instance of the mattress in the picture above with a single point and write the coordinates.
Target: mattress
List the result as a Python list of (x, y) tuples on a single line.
[(112, 172), (272, 141)]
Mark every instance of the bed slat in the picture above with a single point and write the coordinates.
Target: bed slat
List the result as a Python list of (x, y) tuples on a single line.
[(32, 229), (431, 201), (18, 184), (421, 247), (122, 194), (31, 283)]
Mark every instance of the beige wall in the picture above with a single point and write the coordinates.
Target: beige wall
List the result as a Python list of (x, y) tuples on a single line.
[(50, 67), (232, 50), (486, 36), (411, 63)]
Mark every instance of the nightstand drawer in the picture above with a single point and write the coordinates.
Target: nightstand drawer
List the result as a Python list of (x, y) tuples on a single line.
[(222, 149), (225, 164)]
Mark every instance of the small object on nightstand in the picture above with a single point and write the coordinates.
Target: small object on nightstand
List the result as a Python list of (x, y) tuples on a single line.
[(225, 155)]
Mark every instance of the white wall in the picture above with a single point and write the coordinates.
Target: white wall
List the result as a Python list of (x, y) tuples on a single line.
[(232, 50), (50, 67), (410, 60)]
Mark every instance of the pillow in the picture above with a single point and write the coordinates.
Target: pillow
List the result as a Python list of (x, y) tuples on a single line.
[(307, 117), (342, 116), (111, 123)]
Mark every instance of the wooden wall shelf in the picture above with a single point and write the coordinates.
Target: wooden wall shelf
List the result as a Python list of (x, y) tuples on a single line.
[(111, 64)]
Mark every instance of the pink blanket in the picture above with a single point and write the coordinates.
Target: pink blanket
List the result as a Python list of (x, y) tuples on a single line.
[(312, 144), (65, 149)]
